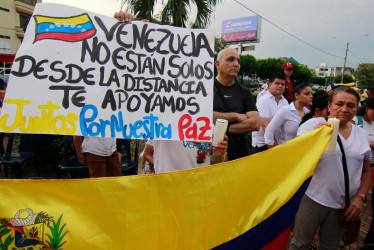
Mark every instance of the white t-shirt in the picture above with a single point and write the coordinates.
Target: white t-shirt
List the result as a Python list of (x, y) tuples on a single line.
[(99, 146), (286, 121), (179, 155), (327, 184), (267, 107), (369, 129)]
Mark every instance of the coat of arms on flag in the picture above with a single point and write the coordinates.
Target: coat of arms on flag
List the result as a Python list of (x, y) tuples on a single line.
[(69, 29), (32, 231)]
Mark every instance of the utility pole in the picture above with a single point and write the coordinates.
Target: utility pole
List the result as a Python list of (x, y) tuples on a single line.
[(345, 60)]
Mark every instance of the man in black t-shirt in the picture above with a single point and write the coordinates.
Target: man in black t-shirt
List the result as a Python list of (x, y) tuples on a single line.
[(234, 102)]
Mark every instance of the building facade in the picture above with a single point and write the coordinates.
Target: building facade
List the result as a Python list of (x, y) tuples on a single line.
[(14, 17), (323, 70)]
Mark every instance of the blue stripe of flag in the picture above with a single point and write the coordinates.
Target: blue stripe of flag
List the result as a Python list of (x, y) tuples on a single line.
[(51, 27), (268, 230)]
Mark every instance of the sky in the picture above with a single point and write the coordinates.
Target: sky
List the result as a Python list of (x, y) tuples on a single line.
[(325, 24)]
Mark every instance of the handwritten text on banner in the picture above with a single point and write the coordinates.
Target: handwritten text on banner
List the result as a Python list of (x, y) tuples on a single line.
[(78, 73)]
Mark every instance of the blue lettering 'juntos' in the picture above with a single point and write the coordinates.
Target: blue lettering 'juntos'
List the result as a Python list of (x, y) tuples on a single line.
[(151, 128)]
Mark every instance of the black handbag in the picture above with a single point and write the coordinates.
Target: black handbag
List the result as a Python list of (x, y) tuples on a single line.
[(351, 228)]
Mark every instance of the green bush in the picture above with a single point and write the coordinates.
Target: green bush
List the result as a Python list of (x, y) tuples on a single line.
[(50, 149)]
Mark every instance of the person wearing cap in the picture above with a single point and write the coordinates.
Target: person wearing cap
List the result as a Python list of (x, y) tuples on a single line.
[(330, 88), (287, 71), (234, 103)]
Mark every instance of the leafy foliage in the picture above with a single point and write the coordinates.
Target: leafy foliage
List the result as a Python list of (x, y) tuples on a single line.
[(319, 80), (8, 240), (219, 44), (329, 80), (365, 74), (174, 12), (55, 241), (51, 149), (346, 79), (268, 67), (248, 66), (302, 73)]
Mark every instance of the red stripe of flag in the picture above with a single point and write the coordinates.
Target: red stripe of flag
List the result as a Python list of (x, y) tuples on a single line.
[(280, 242)]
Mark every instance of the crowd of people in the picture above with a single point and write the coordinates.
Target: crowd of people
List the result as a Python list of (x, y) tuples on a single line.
[(273, 121), (283, 110)]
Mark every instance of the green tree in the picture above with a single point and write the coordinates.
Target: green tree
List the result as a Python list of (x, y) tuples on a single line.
[(174, 12), (318, 80), (219, 44), (248, 66), (268, 67), (330, 80), (365, 75), (346, 79), (302, 73)]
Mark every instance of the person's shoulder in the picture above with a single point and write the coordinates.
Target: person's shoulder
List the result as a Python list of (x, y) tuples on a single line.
[(309, 125), (242, 86), (355, 119), (283, 101), (267, 96), (263, 100), (284, 109), (359, 129)]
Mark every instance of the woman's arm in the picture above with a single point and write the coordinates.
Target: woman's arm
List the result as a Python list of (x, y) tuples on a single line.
[(355, 209), (279, 118)]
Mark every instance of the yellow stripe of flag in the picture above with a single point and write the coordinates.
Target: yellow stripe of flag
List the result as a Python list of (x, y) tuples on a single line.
[(81, 19)]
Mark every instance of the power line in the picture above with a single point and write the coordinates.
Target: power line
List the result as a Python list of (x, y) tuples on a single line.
[(311, 45)]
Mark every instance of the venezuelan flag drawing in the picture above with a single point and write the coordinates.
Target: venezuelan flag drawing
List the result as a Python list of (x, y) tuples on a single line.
[(69, 29), (248, 203)]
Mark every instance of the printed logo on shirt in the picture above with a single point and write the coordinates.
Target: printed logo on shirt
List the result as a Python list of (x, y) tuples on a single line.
[(204, 149), (227, 96)]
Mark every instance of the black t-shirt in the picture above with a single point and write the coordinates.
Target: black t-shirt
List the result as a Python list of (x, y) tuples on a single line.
[(238, 98)]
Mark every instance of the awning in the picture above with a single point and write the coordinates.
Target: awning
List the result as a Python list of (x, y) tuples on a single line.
[(7, 57)]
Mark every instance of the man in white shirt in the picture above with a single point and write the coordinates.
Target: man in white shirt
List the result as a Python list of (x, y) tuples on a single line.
[(267, 106)]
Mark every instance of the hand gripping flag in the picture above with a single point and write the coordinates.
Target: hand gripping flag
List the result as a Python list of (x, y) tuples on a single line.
[(69, 29), (248, 203)]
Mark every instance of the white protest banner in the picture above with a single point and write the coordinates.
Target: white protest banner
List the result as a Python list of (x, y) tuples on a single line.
[(79, 73)]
